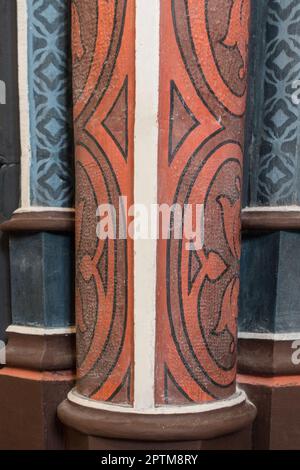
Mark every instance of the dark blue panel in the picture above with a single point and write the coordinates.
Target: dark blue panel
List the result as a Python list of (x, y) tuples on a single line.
[(288, 285), (259, 268), (5, 311), (59, 280), (9, 144), (270, 283), (9, 115), (42, 279), (9, 192), (254, 115)]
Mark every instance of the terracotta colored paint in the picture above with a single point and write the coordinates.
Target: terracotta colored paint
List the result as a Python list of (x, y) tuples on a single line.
[(203, 67), (279, 381), (104, 85), (37, 376)]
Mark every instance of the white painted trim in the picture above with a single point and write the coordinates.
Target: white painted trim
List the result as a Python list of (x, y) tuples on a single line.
[(270, 336), (24, 102), (272, 209), (23, 210), (2, 92), (236, 399), (145, 192), (28, 330)]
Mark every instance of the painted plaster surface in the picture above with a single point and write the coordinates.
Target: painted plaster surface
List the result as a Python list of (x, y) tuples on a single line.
[(204, 47), (50, 103), (188, 144), (274, 117), (103, 76)]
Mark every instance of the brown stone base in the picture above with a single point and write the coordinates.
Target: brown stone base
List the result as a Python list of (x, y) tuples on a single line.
[(277, 425), (41, 352), (43, 221), (264, 357), (28, 404), (95, 429), (237, 441)]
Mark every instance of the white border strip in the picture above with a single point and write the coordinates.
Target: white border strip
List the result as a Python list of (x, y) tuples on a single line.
[(23, 210), (145, 192), (24, 102), (273, 209), (28, 330), (236, 399), (270, 336)]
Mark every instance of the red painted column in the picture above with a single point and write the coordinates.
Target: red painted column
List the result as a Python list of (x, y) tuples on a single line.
[(203, 86), (160, 96), (103, 71)]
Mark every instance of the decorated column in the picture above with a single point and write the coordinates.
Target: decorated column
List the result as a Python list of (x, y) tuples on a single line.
[(40, 354), (159, 103), (269, 338)]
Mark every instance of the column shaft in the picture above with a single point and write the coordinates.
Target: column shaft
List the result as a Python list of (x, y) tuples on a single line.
[(157, 315), (202, 105), (103, 55)]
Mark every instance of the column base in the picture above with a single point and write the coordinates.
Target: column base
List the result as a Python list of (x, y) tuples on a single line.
[(78, 441), (221, 427), (49, 351), (28, 404), (267, 357), (278, 409)]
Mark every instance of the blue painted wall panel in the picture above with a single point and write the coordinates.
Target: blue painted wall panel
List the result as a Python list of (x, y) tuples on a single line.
[(49, 56), (272, 175)]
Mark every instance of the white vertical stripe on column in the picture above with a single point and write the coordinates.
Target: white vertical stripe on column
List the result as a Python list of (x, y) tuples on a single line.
[(24, 102), (145, 192)]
